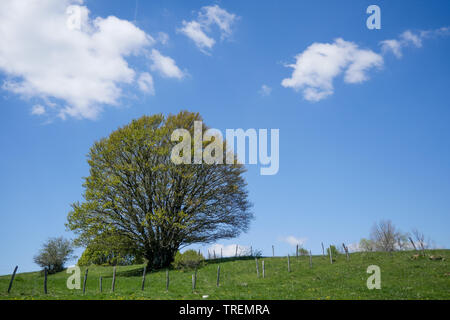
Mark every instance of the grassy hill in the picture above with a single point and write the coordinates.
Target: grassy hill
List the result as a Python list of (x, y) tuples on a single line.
[(401, 278)]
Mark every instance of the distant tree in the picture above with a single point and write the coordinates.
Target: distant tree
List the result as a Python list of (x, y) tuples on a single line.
[(419, 239), (54, 254), (303, 252), (403, 241), (257, 253), (135, 191), (334, 251), (385, 236), (366, 245)]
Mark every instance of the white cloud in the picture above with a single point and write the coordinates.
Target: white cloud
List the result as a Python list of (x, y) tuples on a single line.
[(199, 30), (53, 50), (360, 62), (163, 38), (265, 90), (392, 45), (194, 30), (211, 15), (317, 66), (166, 66), (38, 110), (293, 241), (409, 38), (395, 46), (145, 83), (443, 31)]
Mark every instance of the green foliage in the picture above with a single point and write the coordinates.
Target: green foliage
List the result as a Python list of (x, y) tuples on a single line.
[(108, 248), (303, 251), (334, 251), (367, 245), (257, 253), (54, 254), (93, 256), (189, 259), (134, 191), (90, 257), (403, 278)]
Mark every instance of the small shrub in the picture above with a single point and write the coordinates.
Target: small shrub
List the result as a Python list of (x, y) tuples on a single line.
[(257, 253), (54, 254), (189, 259), (366, 245), (334, 251), (303, 252)]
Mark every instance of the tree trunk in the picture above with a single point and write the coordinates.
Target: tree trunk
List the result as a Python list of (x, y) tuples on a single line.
[(160, 258)]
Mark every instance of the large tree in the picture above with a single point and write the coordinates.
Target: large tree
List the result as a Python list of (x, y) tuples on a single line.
[(135, 191)]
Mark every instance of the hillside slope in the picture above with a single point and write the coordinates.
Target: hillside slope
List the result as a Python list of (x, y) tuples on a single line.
[(401, 278)]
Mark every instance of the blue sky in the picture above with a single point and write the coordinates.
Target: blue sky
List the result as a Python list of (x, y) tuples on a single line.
[(367, 149)]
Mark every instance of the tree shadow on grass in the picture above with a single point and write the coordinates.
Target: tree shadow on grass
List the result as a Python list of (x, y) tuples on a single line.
[(135, 272), (138, 270)]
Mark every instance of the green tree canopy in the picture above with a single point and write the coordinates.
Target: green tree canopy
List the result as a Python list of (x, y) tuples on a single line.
[(111, 249), (54, 254), (135, 191)]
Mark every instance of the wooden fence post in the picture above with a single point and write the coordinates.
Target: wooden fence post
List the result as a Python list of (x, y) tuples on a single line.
[(143, 278), (251, 251), (323, 250), (218, 276), (331, 256), (413, 244), (289, 263), (12, 278), (221, 253), (45, 280), (257, 267), (195, 278), (113, 287), (167, 280), (101, 284), (214, 254), (84, 282), (346, 250), (273, 251), (310, 259), (237, 250), (264, 269), (296, 251)]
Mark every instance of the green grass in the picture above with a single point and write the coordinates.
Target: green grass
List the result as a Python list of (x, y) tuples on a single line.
[(401, 278)]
